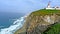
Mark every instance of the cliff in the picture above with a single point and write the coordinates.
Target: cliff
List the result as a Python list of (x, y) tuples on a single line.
[(38, 21)]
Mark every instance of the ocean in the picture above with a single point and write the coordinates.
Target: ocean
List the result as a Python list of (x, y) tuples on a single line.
[(10, 22)]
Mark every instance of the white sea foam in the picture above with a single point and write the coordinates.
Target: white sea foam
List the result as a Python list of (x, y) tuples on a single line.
[(16, 25)]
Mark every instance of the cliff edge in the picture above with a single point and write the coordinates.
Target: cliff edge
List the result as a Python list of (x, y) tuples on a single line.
[(38, 21)]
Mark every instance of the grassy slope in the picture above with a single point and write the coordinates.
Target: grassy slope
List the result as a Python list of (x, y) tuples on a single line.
[(55, 29), (45, 12)]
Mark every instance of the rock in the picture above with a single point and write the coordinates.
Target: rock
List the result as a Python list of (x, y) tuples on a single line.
[(37, 22)]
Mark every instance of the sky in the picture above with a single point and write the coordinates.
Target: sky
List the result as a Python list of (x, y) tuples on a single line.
[(25, 6)]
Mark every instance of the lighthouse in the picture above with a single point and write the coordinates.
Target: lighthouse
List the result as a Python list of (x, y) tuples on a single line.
[(49, 7), (52, 8)]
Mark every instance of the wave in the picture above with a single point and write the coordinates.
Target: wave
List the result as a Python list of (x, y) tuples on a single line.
[(16, 25)]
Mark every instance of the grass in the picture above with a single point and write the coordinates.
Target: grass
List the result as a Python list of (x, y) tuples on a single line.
[(55, 29), (45, 12)]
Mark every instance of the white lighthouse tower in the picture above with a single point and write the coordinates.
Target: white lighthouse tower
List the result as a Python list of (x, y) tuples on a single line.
[(48, 6)]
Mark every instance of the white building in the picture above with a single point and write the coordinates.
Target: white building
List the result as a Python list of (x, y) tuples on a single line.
[(57, 8), (49, 7)]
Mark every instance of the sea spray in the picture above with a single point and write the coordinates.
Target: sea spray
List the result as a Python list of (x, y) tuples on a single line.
[(16, 25)]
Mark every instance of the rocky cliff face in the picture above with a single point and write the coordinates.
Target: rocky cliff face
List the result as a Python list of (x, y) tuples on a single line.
[(37, 24)]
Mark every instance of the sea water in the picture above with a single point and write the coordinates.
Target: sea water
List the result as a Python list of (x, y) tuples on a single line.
[(10, 22)]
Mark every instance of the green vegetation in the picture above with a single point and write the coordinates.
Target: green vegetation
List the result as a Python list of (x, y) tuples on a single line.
[(35, 20), (55, 29), (45, 12)]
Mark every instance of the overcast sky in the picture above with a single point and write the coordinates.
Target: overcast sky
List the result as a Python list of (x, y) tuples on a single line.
[(25, 6)]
